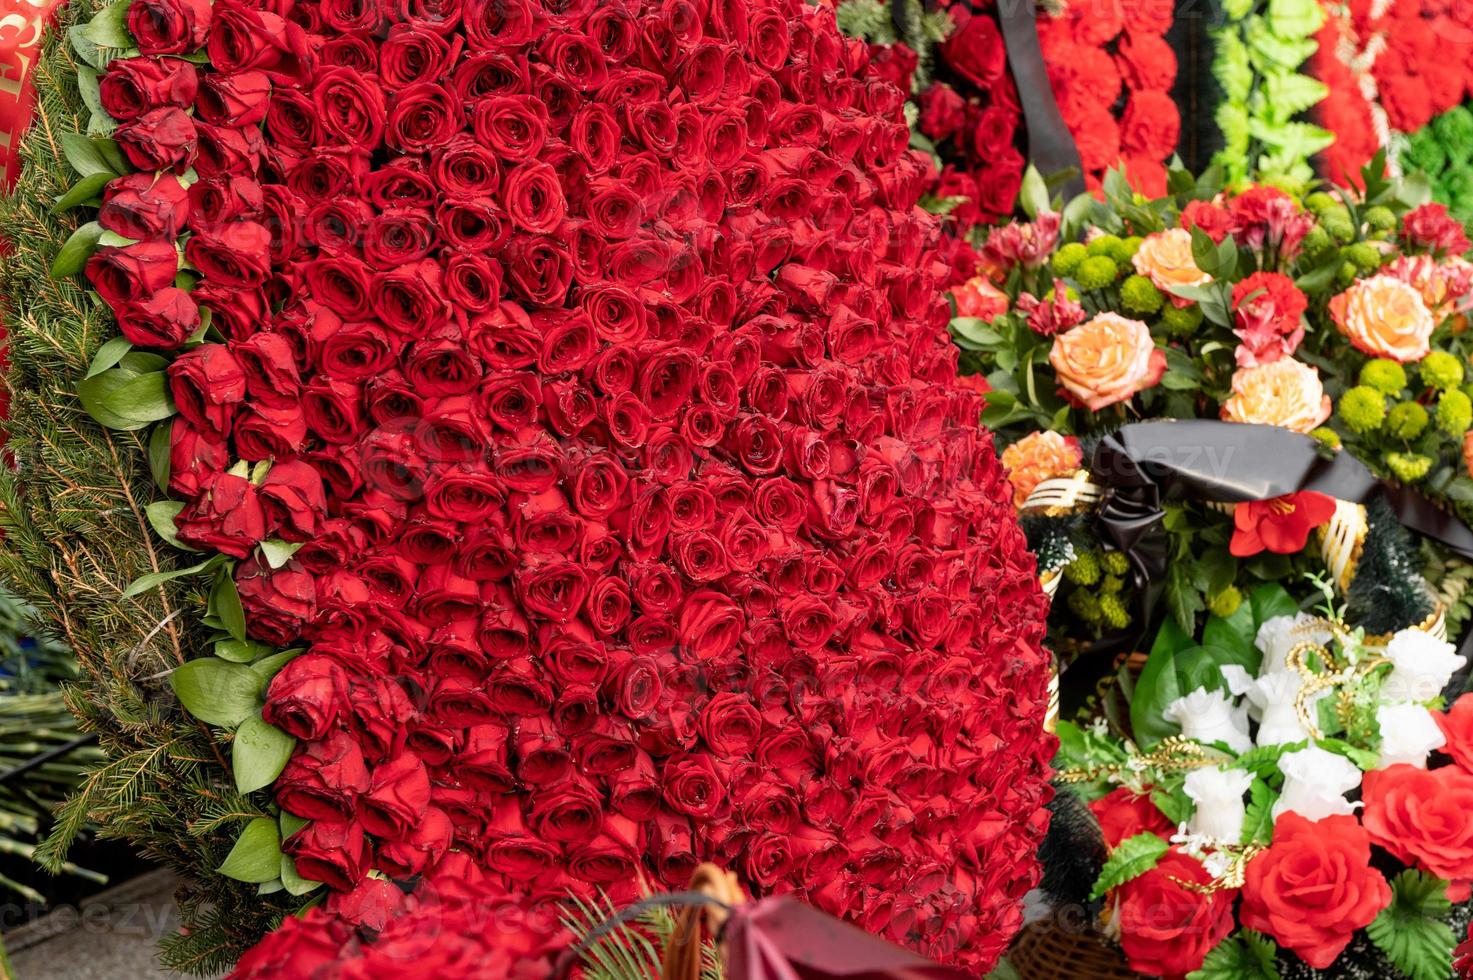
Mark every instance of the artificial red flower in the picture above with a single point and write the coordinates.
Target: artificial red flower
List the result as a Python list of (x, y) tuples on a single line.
[(1314, 887), (1280, 525), (1457, 727), (1166, 926), (1124, 814), (1421, 817)]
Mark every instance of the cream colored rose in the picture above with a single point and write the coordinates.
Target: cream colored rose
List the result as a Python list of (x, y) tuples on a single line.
[(1106, 360), (1384, 317), (1285, 392), (1166, 257), (1036, 457)]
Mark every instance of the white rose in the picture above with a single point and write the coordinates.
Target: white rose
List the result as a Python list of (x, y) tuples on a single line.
[(1315, 784), (1421, 666), (1271, 700), (1277, 636), (1210, 716), (1220, 809), (1408, 733)]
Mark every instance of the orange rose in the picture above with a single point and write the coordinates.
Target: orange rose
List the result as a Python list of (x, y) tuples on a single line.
[(1468, 452), (1166, 257), (1384, 317), (1106, 360), (1285, 392), (1036, 457), (980, 298)]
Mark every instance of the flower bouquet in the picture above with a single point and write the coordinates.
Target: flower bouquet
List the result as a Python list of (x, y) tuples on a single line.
[(1334, 315), (1292, 801)]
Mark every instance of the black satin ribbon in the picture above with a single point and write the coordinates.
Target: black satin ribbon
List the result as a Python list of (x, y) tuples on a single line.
[(1144, 464), (1050, 144)]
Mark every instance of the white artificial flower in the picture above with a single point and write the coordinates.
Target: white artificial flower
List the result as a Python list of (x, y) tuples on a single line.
[(1271, 700), (1220, 810), (1315, 784), (1277, 636), (1210, 716), (1421, 666), (1408, 733)]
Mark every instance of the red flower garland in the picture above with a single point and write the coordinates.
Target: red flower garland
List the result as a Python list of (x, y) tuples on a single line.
[(599, 354)]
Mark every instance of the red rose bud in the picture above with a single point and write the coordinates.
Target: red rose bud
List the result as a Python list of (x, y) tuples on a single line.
[(169, 26), (145, 207), (207, 384), (398, 797), (324, 779), (133, 86), (307, 697), (225, 517), (278, 602), (292, 497), (165, 320), (133, 272), (160, 139)]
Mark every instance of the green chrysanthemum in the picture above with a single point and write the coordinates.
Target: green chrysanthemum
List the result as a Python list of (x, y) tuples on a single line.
[(1380, 218), (1316, 242), (1406, 420), (1083, 570), (1181, 322), (1454, 412), (1363, 255), (1113, 611), (1084, 605), (1326, 436), (1139, 295), (1226, 602), (1408, 467), (1362, 409), (1096, 272), (1105, 245), (1115, 562), (1425, 152), (1454, 130), (1384, 375), (1440, 370), (1066, 260)]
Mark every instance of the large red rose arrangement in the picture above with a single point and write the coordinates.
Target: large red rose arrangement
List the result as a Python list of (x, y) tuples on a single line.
[(571, 380)]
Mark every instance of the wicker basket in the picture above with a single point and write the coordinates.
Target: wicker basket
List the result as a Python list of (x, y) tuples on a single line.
[(1044, 951)]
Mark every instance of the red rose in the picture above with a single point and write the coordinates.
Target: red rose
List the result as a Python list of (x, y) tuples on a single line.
[(278, 602), (307, 697), (1421, 817), (1124, 814), (398, 796), (1457, 727), (413, 53), (427, 842), (245, 39), (207, 384), (145, 207), (160, 139), (133, 272), (298, 948), (975, 51), (694, 786), (165, 320), (1314, 887), (324, 779), (226, 516), (241, 99), (235, 254), (330, 851), (423, 116), (133, 86), (350, 107), (1166, 928), (169, 26)]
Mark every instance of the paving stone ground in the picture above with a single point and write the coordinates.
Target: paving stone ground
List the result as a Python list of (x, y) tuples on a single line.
[(113, 936)]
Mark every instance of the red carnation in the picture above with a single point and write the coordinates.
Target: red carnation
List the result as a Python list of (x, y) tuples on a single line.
[(1267, 311), (1430, 227)]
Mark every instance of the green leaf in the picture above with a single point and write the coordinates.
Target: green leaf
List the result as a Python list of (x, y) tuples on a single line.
[(268, 667), (1295, 18), (85, 49), (1258, 825), (216, 691), (1268, 601), (278, 553), (1410, 931), (1291, 93), (161, 516), (73, 256), (85, 156), (108, 355), (1033, 195), (256, 856), (1204, 252), (159, 445), (1246, 956), (291, 823), (82, 191), (113, 154), (240, 651), (293, 881), (109, 28), (1132, 858), (1182, 598), (1157, 685), (126, 400), (225, 603), (259, 753), (153, 580)]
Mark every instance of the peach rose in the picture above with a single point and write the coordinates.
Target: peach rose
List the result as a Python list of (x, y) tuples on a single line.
[(1036, 457), (1285, 392), (1384, 317), (1468, 451), (1106, 360), (980, 298), (1166, 257)]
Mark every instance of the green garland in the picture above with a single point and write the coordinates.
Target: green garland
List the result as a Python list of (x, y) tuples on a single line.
[(1260, 49), (75, 514)]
